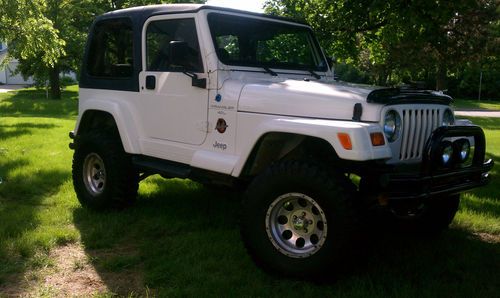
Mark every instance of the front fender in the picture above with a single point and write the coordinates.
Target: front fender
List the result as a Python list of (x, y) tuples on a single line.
[(251, 127)]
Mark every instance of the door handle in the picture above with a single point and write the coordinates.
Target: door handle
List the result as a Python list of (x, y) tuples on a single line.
[(150, 82)]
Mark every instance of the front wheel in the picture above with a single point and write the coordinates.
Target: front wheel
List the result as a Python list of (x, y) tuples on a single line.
[(298, 219)]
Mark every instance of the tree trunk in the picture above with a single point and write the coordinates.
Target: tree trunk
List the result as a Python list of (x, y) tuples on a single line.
[(55, 84), (441, 77), (382, 76)]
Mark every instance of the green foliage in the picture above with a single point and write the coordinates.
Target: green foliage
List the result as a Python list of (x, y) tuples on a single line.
[(291, 48), (28, 32), (56, 31), (67, 81), (395, 39), (349, 73)]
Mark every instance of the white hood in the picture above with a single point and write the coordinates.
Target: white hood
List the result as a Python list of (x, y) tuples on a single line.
[(309, 99)]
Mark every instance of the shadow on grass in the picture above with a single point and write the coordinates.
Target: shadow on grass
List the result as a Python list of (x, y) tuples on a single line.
[(20, 202), (34, 103), (6, 169), (20, 129), (453, 264), (475, 104), (184, 240), (179, 228), (491, 192), (486, 122)]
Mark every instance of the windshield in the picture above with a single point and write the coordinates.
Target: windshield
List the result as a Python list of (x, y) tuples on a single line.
[(255, 42)]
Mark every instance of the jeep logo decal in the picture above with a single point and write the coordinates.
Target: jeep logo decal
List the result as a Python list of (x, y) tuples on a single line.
[(218, 145)]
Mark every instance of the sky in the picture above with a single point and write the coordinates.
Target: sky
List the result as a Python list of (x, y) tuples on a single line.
[(250, 5)]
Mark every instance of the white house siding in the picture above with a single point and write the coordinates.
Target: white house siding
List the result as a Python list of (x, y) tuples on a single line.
[(15, 79), (6, 73), (3, 77)]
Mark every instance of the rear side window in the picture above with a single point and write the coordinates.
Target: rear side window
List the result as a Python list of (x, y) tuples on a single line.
[(158, 37), (111, 49)]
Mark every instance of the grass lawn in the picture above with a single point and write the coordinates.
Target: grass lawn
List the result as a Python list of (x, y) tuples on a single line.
[(182, 239), (474, 104)]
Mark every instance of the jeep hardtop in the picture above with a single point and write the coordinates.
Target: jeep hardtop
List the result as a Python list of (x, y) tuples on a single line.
[(234, 98)]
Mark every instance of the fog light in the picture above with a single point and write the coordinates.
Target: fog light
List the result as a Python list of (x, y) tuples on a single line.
[(446, 153), (462, 149)]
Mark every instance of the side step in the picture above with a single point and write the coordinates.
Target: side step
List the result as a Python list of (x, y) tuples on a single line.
[(167, 169)]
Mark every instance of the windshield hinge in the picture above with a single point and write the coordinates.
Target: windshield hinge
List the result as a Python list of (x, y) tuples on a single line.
[(269, 71)]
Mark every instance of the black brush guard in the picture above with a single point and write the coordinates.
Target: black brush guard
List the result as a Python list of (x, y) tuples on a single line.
[(432, 179)]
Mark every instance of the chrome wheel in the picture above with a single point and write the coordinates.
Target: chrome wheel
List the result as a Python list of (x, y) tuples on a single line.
[(94, 174), (296, 225)]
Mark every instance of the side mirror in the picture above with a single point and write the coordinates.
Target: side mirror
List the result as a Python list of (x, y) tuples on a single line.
[(177, 53)]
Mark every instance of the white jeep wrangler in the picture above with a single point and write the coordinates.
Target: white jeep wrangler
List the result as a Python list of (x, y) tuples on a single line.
[(229, 97)]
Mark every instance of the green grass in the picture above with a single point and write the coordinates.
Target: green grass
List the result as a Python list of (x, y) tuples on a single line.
[(184, 239), (475, 104)]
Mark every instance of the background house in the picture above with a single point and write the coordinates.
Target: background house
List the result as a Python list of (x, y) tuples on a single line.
[(6, 72)]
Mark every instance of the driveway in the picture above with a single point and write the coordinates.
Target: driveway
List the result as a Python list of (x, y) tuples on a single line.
[(7, 88)]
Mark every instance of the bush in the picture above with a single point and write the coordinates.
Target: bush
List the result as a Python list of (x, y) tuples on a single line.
[(349, 73), (67, 81)]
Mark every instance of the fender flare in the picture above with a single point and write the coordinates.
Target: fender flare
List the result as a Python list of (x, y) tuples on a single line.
[(129, 134), (327, 130)]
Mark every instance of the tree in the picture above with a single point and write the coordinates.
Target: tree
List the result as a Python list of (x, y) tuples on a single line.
[(406, 38), (28, 32), (69, 22)]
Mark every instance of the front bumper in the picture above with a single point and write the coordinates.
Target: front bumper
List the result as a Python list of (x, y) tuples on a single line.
[(431, 179)]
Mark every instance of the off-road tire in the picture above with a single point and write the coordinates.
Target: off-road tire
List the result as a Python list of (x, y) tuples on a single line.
[(331, 192), (121, 179)]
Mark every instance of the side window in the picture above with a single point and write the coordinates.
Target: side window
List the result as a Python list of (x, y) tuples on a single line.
[(111, 49), (158, 37)]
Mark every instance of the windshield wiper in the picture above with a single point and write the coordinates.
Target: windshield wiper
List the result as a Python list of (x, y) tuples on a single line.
[(269, 71), (315, 75)]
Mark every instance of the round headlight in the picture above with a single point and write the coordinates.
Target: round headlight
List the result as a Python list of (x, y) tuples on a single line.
[(448, 118), (392, 125), (462, 149), (446, 153)]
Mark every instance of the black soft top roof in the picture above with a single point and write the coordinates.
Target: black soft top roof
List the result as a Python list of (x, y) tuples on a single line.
[(137, 17), (141, 13)]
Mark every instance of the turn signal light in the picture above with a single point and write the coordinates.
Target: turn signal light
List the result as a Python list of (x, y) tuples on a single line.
[(345, 140), (377, 139)]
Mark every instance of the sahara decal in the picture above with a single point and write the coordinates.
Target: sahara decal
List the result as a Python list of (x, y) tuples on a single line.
[(222, 107)]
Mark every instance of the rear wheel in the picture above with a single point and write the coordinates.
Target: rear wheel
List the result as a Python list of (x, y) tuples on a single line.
[(297, 219), (103, 175)]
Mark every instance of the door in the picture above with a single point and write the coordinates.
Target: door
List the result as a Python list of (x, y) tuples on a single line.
[(173, 107)]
